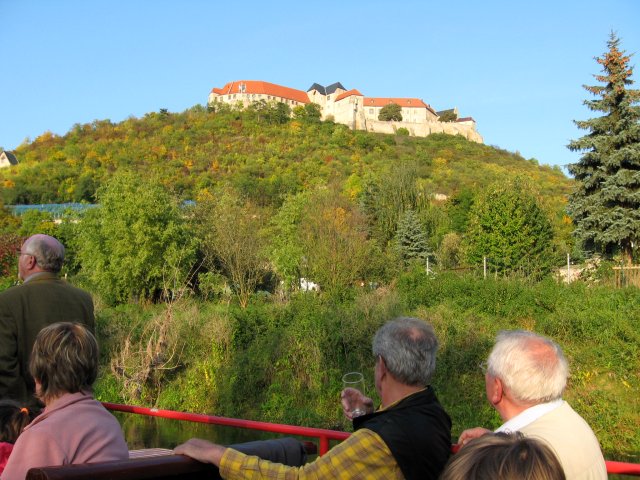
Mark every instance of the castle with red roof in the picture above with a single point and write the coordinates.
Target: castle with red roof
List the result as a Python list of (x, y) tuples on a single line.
[(350, 107)]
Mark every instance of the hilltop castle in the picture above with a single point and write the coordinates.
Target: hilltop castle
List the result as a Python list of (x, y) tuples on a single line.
[(351, 108)]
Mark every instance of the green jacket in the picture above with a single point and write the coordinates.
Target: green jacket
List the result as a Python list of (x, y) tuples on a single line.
[(24, 311)]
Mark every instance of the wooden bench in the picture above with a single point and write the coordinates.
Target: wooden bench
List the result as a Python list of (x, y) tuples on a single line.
[(156, 464), (167, 467)]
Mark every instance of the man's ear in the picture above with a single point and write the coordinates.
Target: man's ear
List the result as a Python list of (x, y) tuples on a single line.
[(31, 262), (495, 390), (383, 367)]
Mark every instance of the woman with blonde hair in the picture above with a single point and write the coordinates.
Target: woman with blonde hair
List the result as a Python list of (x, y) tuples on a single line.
[(504, 456), (73, 427)]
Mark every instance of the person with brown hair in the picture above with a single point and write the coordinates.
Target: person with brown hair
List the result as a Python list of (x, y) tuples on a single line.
[(504, 456), (74, 427), (13, 419)]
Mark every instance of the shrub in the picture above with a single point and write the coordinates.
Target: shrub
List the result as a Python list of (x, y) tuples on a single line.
[(136, 243)]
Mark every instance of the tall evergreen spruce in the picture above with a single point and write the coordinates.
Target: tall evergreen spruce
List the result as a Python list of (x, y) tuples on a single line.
[(605, 205), (411, 238)]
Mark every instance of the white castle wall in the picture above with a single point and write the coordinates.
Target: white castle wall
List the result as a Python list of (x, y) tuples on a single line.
[(467, 130)]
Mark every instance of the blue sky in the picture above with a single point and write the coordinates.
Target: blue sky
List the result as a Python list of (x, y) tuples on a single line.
[(516, 67)]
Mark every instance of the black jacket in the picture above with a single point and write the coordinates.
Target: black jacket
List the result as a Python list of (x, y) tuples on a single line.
[(417, 430)]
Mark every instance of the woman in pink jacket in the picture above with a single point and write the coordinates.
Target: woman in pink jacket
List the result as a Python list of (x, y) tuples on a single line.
[(73, 427)]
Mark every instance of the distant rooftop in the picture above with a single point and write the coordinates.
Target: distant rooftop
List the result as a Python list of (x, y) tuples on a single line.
[(326, 90)]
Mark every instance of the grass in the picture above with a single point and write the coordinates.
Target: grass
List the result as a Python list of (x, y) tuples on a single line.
[(282, 362)]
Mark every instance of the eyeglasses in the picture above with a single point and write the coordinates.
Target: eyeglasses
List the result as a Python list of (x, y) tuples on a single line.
[(483, 366), (20, 253)]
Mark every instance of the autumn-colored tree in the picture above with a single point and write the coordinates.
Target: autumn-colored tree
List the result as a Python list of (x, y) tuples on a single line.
[(9, 244), (333, 237)]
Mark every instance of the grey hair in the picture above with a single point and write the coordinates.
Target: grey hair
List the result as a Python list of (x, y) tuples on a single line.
[(48, 252), (408, 347), (532, 367)]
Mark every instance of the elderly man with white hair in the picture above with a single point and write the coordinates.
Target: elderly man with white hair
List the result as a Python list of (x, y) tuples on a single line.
[(525, 377)]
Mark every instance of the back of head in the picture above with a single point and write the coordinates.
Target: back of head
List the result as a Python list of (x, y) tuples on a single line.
[(531, 367), (64, 360), (13, 419), (408, 347), (504, 457), (47, 250)]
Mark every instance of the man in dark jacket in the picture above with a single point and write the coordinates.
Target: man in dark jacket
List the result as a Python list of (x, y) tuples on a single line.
[(408, 437), (41, 300)]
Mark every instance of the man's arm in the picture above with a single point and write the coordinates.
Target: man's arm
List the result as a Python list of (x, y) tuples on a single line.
[(363, 455), (472, 433), (201, 450)]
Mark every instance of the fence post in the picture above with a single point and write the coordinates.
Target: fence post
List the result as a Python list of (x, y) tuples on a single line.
[(484, 267), (568, 268)]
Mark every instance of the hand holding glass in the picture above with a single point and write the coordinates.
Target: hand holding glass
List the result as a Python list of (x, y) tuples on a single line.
[(352, 402)]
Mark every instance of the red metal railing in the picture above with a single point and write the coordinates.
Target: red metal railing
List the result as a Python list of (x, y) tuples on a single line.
[(324, 436)]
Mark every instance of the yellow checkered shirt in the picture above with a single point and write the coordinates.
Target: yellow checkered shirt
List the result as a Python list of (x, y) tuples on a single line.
[(363, 455)]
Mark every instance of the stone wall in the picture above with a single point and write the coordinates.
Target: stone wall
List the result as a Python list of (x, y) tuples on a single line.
[(467, 129)]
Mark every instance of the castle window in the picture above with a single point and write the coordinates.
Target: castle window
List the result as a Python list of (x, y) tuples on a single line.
[(371, 111)]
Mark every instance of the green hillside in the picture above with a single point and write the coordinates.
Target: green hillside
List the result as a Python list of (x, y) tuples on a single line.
[(264, 156)]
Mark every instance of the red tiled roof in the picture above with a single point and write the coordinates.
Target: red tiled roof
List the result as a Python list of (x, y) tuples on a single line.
[(403, 102), (348, 94), (264, 88), (465, 119)]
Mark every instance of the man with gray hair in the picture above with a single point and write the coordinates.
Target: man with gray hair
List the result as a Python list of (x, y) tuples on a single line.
[(525, 377), (408, 437), (41, 300)]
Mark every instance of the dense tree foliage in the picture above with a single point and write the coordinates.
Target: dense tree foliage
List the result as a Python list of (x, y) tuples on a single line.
[(333, 238), (8, 221), (391, 112), (135, 244), (197, 150), (311, 112), (448, 116), (606, 203), (232, 240), (9, 245), (508, 227)]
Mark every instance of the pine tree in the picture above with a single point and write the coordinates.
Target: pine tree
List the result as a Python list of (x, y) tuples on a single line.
[(605, 205), (411, 238)]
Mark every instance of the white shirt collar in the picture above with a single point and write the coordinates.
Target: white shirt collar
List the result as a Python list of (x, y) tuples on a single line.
[(529, 415)]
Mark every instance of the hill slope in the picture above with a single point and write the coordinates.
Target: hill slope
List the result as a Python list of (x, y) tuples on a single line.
[(260, 156)]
